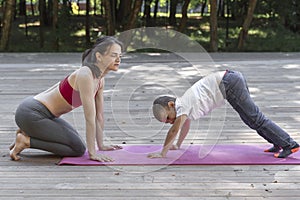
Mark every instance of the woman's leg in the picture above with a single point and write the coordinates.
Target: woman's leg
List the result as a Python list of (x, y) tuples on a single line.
[(47, 132), (56, 136), (238, 96)]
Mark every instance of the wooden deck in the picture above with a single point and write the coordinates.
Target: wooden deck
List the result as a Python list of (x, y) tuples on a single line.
[(273, 79)]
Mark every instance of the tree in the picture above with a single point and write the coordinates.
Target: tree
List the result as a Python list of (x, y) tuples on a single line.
[(126, 36), (87, 24), (155, 11), (203, 7), (55, 25), (124, 12), (134, 14), (213, 26), (22, 8), (42, 8), (9, 13), (172, 17), (22, 12), (110, 26), (147, 12), (289, 15), (244, 31), (184, 17)]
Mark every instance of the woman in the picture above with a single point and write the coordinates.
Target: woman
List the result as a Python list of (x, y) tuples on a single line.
[(39, 119)]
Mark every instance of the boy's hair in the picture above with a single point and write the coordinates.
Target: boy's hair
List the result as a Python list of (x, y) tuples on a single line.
[(160, 104), (101, 45)]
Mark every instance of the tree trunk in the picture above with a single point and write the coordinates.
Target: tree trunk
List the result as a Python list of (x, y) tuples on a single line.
[(244, 31), (95, 7), (110, 29), (203, 7), (172, 17), (184, 15), (32, 7), (55, 25), (87, 24), (9, 13), (124, 12), (22, 7), (49, 13), (22, 12), (134, 14), (213, 26), (42, 22), (113, 5), (127, 34), (147, 12), (155, 11)]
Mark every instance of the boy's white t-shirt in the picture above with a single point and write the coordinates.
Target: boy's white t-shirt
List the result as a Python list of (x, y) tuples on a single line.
[(200, 99)]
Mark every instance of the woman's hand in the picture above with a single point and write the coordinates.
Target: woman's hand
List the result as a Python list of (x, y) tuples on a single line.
[(155, 155), (101, 158), (174, 147), (110, 148)]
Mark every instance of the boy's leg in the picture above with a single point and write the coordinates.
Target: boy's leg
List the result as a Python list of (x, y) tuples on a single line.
[(238, 96)]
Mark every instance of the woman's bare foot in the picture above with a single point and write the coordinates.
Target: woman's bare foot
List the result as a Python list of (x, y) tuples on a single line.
[(22, 142), (11, 146)]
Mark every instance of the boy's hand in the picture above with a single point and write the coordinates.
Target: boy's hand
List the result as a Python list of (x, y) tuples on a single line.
[(155, 155)]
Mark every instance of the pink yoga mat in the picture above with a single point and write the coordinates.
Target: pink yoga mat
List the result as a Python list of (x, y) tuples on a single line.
[(221, 154)]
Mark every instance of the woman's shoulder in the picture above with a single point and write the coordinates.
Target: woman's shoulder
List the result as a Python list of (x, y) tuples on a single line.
[(80, 76), (83, 73), (84, 70)]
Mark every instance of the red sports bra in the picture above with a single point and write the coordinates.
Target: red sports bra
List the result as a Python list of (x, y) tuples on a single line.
[(70, 95)]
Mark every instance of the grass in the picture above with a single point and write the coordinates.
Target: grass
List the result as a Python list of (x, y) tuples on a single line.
[(264, 35)]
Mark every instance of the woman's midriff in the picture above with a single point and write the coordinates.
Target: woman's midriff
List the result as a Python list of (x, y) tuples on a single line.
[(54, 101)]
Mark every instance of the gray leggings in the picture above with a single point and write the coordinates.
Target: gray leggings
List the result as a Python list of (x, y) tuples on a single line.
[(46, 131)]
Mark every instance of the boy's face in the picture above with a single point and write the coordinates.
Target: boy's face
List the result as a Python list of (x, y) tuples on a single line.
[(171, 113)]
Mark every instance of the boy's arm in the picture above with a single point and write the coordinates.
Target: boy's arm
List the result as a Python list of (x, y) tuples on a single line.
[(183, 132), (179, 122)]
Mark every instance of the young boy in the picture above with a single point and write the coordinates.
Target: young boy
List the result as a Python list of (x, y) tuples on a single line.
[(208, 93)]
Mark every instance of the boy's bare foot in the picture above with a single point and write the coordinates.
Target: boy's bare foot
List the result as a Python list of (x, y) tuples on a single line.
[(11, 146), (22, 142)]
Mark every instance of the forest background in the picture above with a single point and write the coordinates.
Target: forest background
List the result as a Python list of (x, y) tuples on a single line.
[(218, 25)]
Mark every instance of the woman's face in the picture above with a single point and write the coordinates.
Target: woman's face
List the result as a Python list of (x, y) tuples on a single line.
[(112, 58)]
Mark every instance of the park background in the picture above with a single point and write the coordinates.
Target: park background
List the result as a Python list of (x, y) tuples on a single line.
[(273, 77), (218, 25)]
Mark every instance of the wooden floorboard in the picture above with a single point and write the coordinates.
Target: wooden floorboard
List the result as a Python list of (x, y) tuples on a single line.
[(273, 80)]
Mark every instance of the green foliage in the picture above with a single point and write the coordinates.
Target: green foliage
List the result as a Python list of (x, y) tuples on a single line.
[(275, 27), (265, 35)]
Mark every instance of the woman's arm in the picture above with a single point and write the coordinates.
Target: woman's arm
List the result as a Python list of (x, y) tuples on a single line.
[(100, 116), (84, 81), (100, 120)]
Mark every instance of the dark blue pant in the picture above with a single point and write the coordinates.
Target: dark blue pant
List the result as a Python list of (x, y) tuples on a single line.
[(235, 90), (46, 131)]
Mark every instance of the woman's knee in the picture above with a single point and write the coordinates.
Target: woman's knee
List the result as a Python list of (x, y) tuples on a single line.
[(79, 150)]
